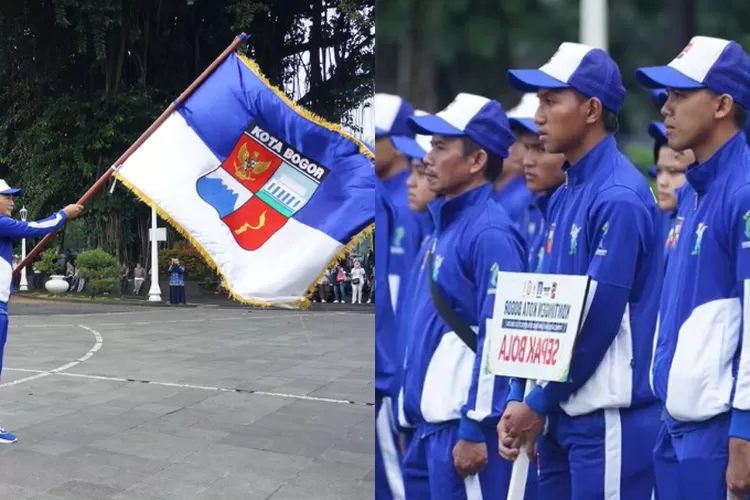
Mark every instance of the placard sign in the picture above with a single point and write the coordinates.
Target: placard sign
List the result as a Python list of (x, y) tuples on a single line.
[(534, 324)]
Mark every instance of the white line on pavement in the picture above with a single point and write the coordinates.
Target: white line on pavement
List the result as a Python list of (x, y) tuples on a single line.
[(67, 366), (44, 373)]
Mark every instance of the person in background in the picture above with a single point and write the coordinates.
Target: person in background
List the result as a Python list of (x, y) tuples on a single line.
[(510, 188), (358, 281), (176, 282), (323, 283), (337, 278), (123, 278), (544, 175), (139, 276)]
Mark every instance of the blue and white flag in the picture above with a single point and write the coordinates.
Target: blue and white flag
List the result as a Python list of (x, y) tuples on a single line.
[(269, 193)]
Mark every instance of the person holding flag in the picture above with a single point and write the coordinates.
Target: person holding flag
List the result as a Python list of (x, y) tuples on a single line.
[(11, 230), (449, 394), (543, 173), (701, 361), (600, 425)]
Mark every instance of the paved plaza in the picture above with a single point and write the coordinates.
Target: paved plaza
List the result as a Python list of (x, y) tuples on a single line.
[(134, 402)]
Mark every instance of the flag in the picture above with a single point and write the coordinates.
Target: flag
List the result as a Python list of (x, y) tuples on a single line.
[(270, 194)]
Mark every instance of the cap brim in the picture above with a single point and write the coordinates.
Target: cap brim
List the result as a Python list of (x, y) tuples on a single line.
[(433, 125), (665, 77), (408, 147), (13, 192), (379, 132), (531, 80), (524, 125), (657, 131)]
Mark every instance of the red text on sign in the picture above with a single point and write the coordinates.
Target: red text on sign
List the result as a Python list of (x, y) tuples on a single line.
[(529, 350)]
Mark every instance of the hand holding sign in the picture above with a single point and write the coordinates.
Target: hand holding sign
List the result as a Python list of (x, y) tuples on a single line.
[(532, 332)]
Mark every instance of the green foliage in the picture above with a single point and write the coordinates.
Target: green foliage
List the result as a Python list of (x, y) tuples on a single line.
[(82, 80), (196, 268), (100, 270), (641, 155), (48, 263)]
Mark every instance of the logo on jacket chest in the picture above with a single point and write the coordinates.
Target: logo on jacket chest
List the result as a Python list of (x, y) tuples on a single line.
[(550, 239), (674, 233), (746, 218), (436, 266), (574, 231), (699, 232)]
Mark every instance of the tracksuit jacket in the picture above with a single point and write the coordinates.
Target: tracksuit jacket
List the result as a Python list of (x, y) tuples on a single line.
[(701, 362), (604, 225), (386, 334), (444, 381), (537, 243), (515, 198), (407, 234), (12, 230)]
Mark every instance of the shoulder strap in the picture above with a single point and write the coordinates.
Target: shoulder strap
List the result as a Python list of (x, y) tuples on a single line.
[(451, 318)]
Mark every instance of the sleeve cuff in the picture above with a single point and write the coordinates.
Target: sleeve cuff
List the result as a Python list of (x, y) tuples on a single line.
[(517, 387), (470, 430), (539, 402), (64, 215), (739, 426)]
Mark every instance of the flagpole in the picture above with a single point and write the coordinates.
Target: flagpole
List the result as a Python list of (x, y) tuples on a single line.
[(167, 112)]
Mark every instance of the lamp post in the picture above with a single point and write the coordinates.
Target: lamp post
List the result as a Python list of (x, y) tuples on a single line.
[(24, 284), (154, 294)]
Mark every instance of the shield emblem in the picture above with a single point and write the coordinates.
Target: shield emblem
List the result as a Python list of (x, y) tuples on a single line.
[(257, 190)]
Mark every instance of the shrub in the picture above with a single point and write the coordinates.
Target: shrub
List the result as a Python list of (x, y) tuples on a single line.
[(196, 267), (48, 263), (100, 270)]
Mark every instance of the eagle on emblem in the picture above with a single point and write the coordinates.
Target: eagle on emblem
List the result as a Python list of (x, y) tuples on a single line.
[(249, 166)]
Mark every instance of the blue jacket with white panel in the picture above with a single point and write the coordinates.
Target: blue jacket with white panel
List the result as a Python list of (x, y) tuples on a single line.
[(604, 224), (444, 382)]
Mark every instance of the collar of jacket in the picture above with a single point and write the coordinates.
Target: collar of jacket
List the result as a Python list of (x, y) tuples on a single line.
[(446, 211), (542, 200), (588, 165), (702, 175)]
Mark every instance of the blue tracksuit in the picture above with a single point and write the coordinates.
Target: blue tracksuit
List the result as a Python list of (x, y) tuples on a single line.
[(532, 222), (407, 235), (515, 198), (388, 478), (701, 362), (449, 394), (603, 422), (537, 246), (10, 231)]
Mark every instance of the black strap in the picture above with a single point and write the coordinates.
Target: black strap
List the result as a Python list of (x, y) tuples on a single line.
[(451, 318)]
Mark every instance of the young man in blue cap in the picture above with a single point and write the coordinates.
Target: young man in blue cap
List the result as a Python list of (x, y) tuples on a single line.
[(601, 424), (701, 362), (510, 187), (449, 393), (543, 173), (10, 231)]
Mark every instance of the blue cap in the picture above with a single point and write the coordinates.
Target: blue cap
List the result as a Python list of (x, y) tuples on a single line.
[(391, 115), (6, 189), (522, 116), (413, 148), (659, 97), (585, 69), (657, 131), (718, 65), (482, 120)]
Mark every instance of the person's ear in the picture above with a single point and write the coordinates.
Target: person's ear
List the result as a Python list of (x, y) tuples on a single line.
[(724, 105), (594, 110)]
